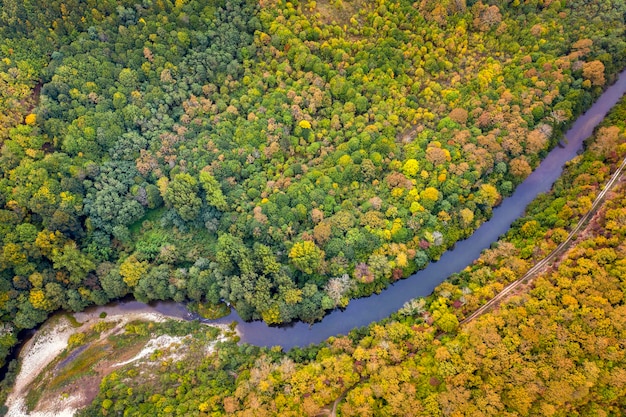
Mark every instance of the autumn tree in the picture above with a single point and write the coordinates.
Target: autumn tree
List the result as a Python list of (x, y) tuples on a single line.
[(306, 257)]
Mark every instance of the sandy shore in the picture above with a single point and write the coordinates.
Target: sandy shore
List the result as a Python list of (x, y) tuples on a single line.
[(52, 339)]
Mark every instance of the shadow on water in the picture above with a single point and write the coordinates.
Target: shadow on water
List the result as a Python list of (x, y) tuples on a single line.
[(23, 336)]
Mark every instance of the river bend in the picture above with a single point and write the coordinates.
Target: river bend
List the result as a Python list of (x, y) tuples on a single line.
[(363, 311)]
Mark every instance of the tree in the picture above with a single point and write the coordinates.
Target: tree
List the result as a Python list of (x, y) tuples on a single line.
[(213, 191), (486, 17), (410, 168), (113, 283), (520, 168), (488, 195), (109, 202), (594, 72), (429, 196), (306, 257), (459, 115), (132, 270), (467, 217), (536, 142), (181, 194), (74, 261)]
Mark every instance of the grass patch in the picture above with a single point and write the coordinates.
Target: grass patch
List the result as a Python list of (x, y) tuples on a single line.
[(149, 239), (91, 355), (56, 319), (336, 12), (210, 311), (72, 319), (151, 215), (80, 366)]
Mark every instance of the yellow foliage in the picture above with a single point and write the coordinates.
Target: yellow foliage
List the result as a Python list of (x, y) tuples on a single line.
[(304, 124), (47, 241), (132, 270), (31, 119), (488, 194), (345, 160), (443, 216), (33, 153), (401, 260), (430, 193), (397, 192), (467, 217), (38, 299), (415, 207), (4, 297), (44, 192), (410, 167), (271, 315), (396, 226), (76, 339), (36, 279), (162, 183), (84, 292), (306, 256), (293, 296)]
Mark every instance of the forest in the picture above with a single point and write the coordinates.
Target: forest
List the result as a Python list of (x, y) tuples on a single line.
[(283, 157), (553, 349)]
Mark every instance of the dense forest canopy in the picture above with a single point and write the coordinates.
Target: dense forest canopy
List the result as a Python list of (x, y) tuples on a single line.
[(554, 349), (282, 156)]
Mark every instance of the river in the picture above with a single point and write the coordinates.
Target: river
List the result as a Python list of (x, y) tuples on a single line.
[(361, 312)]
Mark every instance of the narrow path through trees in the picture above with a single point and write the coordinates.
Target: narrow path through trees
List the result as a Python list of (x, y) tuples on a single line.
[(556, 252), (532, 272)]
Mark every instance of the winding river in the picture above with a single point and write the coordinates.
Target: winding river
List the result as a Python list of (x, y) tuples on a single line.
[(361, 312)]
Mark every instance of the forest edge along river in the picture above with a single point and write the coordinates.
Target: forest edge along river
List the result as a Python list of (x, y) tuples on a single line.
[(363, 311)]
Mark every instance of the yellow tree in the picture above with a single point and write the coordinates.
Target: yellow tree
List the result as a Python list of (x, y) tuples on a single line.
[(132, 270), (306, 256), (594, 72)]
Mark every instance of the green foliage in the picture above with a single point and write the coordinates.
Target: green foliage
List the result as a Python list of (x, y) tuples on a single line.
[(553, 348), (181, 194), (290, 143), (213, 191)]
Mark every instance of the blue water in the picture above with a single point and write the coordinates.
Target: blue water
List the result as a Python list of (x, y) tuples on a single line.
[(364, 311)]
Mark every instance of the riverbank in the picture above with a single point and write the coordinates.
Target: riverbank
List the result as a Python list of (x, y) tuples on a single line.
[(63, 364), (552, 349), (361, 312)]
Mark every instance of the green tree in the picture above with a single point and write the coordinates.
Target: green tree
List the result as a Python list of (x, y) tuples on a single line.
[(182, 195), (213, 191)]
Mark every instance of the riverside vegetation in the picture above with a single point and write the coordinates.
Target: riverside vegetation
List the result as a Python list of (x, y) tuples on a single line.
[(554, 349), (282, 156)]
